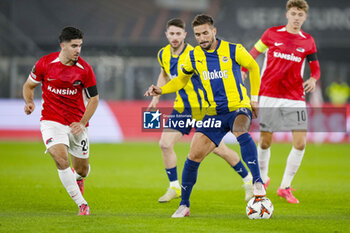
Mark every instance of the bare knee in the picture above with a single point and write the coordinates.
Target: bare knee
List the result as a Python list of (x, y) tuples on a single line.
[(217, 151), (165, 145), (196, 157), (265, 140), (299, 145), (60, 156), (299, 140), (264, 144), (62, 163), (82, 170)]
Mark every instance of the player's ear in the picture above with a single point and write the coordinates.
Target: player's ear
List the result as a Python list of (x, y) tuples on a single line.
[(214, 30), (62, 45)]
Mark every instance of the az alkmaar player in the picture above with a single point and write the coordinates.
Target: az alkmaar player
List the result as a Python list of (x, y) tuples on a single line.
[(69, 99), (282, 93)]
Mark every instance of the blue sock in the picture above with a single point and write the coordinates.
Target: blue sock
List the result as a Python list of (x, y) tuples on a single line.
[(240, 169), (172, 173), (189, 178), (250, 155)]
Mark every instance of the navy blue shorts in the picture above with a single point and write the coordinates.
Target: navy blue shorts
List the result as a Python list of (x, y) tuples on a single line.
[(175, 121), (227, 119)]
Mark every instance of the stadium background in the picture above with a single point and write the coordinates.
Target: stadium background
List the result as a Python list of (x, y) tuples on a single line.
[(121, 41)]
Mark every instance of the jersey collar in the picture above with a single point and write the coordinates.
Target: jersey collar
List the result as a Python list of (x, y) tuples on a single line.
[(77, 63), (175, 56)]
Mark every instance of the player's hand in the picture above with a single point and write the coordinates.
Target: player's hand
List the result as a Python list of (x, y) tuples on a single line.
[(153, 91), (77, 128), (29, 108), (244, 75), (153, 105), (255, 109), (309, 85)]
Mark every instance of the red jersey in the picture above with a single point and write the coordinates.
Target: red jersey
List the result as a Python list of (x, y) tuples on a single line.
[(63, 97), (284, 63)]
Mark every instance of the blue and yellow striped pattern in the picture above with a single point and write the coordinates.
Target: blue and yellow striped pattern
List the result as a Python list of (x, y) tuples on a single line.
[(190, 99), (220, 73)]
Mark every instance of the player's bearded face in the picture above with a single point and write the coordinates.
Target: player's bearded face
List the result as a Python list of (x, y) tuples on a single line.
[(205, 36), (71, 50), (176, 36), (296, 17)]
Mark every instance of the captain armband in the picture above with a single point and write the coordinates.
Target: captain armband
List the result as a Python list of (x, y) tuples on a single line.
[(186, 72), (312, 57), (91, 91)]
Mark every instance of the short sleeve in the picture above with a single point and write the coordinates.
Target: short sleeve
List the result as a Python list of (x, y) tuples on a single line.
[(90, 79), (160, 57), (38, 71), (187, 66), (265, 37), (313, 46)]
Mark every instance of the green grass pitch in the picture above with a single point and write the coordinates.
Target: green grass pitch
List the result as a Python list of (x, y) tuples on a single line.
[(127, 179)]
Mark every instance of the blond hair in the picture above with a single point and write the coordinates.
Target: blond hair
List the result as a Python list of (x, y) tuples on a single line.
[(299, 4)]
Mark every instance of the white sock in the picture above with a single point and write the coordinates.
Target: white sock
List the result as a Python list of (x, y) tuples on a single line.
[(293, 163), (264, 159), (79, 177), (175, 184), (69, 182), (248, 179)]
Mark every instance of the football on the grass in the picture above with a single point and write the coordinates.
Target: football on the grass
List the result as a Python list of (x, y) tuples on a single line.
[(259, 208)]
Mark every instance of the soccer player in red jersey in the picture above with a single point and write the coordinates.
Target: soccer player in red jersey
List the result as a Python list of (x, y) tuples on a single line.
[(69, 99), (282, 92)]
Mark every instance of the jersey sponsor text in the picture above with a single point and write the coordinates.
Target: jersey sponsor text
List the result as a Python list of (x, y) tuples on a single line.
[(214, 74), (286, 56), (65, 91)]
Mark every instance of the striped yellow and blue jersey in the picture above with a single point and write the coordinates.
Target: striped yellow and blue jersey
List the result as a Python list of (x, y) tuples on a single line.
[(220, 74), (191, 97)]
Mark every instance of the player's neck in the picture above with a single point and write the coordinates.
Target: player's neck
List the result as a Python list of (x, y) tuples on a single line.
[(65, 61), (213, 46), (178, 50), (292, 30)]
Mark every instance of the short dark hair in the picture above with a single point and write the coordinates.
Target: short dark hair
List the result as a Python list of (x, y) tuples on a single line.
[(202, 19), (70, 33), (177, 23)]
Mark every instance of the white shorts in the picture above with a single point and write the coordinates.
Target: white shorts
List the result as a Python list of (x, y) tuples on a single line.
[(55, 133), (276, 114)]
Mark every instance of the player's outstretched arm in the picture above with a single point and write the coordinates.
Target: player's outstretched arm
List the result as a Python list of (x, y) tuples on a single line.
[(153, 91), (28, 96), (162, 80), (174, 85)]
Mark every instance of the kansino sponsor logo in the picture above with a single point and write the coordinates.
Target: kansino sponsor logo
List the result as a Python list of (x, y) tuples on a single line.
[(208, 123), (290, 57), (65, 91)]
